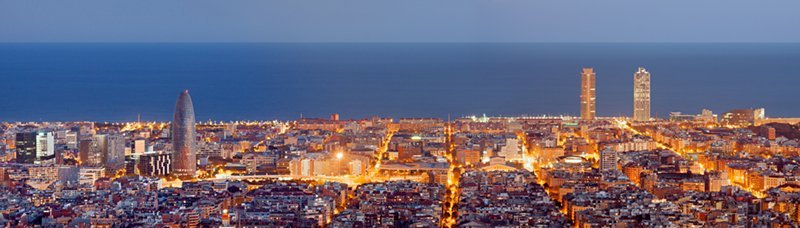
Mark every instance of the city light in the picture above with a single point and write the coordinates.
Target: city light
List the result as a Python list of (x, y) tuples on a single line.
[(467, 170)]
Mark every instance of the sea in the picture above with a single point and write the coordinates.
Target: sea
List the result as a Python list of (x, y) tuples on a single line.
[(284, 81)]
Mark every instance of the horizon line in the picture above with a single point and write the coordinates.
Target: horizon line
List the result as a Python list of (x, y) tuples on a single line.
[(399, 42)]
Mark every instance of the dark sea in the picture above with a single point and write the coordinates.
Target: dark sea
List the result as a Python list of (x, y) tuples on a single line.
[(264, 81)]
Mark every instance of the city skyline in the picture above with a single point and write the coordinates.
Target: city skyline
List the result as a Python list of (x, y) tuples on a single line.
[(426, 167), (416, 113)]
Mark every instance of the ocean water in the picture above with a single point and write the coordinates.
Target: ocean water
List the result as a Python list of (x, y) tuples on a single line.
[(115, 82)]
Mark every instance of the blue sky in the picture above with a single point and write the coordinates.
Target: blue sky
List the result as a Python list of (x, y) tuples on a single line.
[(399, 21)]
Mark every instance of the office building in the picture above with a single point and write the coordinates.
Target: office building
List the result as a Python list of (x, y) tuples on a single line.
[(90, 153), (107, 150), (114, 152), (155, 164), (184, 158), (35, 147), (45, 147), (588, 96), (26, 147)]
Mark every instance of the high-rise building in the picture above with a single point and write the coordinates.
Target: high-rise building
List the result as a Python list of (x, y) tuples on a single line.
[(107, 150), (588, 96), (26, 147), (100, 149), (114, 152), (184, 159), (89, 152), (45, 147), (155, 164), (35, 147), (641, 95)]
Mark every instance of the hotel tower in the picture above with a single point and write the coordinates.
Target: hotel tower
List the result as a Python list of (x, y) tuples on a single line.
[(641, 95), (588, 96)]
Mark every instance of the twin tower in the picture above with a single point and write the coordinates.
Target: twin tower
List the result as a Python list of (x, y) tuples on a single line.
[(641, 95)]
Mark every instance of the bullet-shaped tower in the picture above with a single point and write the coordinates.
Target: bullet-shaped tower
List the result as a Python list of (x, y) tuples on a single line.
[(184, 159)]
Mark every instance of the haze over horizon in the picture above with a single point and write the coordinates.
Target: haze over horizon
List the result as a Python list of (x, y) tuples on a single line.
[(398, 21)]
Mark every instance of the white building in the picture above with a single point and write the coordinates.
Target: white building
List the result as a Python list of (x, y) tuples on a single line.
[(45, 147)]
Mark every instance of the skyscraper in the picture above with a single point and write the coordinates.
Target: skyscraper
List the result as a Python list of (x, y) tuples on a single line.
[(86, 153), (26, 147), (588, 96), (184, 160), (641, 95), (115, 152), (45, 147)]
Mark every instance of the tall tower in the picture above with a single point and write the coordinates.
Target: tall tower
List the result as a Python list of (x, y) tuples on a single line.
[(588, 96), (641, 95), (184, 159)]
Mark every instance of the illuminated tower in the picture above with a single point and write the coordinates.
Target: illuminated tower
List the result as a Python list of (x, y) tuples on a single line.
[(184, 160), (588, 96), (641, 95)]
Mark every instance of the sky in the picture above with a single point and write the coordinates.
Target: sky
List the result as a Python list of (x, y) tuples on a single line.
[(399, 21)]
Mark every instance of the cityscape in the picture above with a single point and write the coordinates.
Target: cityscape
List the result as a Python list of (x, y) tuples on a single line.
[(737, 169), (399, 114)]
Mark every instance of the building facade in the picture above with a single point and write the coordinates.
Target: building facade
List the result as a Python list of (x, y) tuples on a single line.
[(155, 164), (26, 147)]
